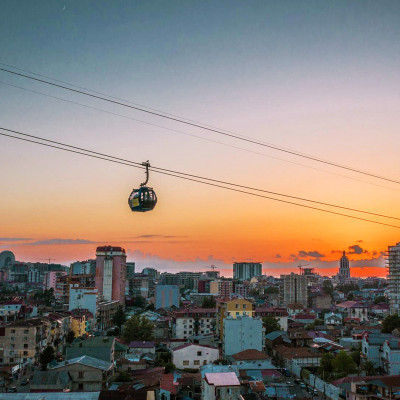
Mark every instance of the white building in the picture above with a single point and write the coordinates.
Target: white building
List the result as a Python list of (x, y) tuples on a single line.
[(194, 323), (83, 298), (354, 310), (391, 357), (193, 356), (333, 319)]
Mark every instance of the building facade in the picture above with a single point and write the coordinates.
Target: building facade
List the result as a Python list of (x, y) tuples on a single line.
[(393, 263), (294, 289), (167, 296), (244, 271), (111, 273)]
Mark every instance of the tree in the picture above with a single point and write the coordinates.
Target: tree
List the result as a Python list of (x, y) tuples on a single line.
[(119, 317), (47, 297), (350, 296), (356, 356), (325, 368), (209, 302), (369, 368), (70, 337), (380, 299), (344, 365), (138, 327), (140, 302), (271, 290), (271, 324), (327, 287), (47, 356), (390, 323), (123, 377)]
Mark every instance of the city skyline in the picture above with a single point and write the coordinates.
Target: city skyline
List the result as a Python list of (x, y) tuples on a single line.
[(315, 78)]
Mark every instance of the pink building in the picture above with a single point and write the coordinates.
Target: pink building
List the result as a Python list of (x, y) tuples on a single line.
[(111, 272), (50, 279)]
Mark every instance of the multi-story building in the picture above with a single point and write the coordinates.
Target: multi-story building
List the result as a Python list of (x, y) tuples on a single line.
[(167, 296), (151, 273), (280, 314), (233, 308), (189, 280), (223, 287), (193, 322), (130, 274), (391, 356), (242, 333), (193, 356), (220, 385), (111, 273), (23, 341), (294, 289), (105, 313), (372, 347), (83, 298), (244, 271), (83, 267), (393, 264), (142, 286), (170, 279), (50, 279)]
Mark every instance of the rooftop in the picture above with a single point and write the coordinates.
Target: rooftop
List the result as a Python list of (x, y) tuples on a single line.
[(86, 360), (222, 379), (250, 354)]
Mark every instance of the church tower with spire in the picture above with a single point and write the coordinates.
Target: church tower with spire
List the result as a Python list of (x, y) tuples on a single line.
[(344, 269)]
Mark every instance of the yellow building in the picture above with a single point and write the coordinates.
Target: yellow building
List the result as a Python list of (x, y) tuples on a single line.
[(232, 308)]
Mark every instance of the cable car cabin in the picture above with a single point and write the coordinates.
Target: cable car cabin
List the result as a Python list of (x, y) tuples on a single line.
[(142, 200)]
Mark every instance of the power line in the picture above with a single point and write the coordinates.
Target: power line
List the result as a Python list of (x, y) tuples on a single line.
[(204, 127), (189, 177), (190, 134)]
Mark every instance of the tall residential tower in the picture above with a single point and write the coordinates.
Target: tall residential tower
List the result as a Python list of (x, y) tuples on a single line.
[(393, 263), (111, 272), (244, 271)]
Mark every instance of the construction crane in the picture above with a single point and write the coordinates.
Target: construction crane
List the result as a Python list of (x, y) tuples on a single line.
[(46, 259), (300, 267)]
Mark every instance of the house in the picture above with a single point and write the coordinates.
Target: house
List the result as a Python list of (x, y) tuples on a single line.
[(278, 313), (220, 385), (88, 374), (353, 310), (303, 356), (101, 347), (372, 347), (50, 381), (276, 338), (193, 355), (304, 318), (333, 319), (391, 356), (142, 347), (300, 338)]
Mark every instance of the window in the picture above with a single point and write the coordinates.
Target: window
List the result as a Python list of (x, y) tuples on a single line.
[(199, 353), (81, 374), (185, 362), (26, 330), (26, 339), (11, 360), (25, 345), (196, 362), (244, 305), (12, 330), (25, 353), (237, 305), (80, 386), (237, 312), (184, 332)]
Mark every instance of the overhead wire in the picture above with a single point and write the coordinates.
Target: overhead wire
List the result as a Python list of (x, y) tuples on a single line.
[(200, 126), (193, 178), (191, 135)]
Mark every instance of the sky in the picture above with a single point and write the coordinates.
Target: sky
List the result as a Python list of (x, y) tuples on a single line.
[(316, 77)]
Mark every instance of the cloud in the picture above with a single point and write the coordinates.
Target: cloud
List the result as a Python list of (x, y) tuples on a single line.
[(360, 241), (356, 249), (61, 241), (13, 239), (278, 256), (314, 254), (156, 236)]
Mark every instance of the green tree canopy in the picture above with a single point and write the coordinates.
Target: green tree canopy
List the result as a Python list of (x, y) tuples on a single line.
[(271, 324), (325, 368), (343, 364), (390, 323), (209, 302), (138, 327), (369, 368), (327, 287), (271, 290), (47, 356), (70, 337), (140, 302), (119, 317), (380, 299)]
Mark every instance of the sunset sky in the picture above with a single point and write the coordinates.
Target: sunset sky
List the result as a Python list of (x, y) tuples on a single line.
[(318, 77)]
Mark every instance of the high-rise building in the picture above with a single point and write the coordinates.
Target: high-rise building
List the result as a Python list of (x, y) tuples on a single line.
[(344, 269), (294, 289), (111, 272), (244, 271), (393, 263)]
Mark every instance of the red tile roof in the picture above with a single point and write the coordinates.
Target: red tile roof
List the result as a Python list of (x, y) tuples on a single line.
[(167, 383), (250, 354)]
